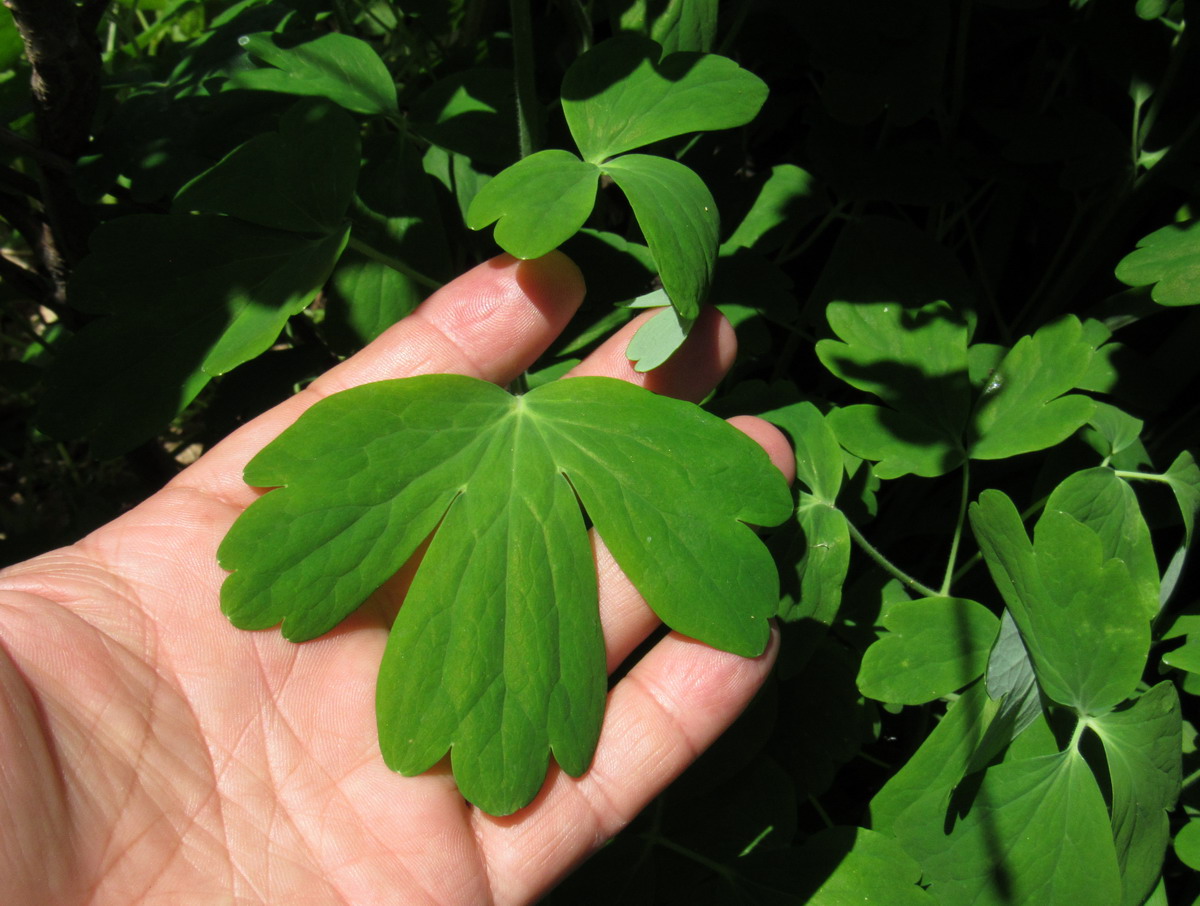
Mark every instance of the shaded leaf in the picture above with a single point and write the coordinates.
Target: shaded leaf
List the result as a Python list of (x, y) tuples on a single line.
[(932, 647), (1169, 259), (470, 113), (675, 24), (364, 298), (1142, 744), (1037, 831), (915, 360), (920, 790), (821, 555), (1010, 680), (618, 96), (1022, 407), (785, 203), (300, 178), (1087, 643), (338, 67), (1184, 478), (851, 865), (540, 202), (231, 286), (496, 653)]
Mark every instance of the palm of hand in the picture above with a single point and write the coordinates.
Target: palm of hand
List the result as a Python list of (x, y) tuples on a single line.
[(152, 752)]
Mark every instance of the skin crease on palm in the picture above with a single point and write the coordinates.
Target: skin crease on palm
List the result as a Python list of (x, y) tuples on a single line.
[(152, 753)]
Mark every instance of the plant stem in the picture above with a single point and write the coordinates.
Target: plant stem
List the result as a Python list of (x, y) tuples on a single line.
[(1140, 476), (958, 527), (887, 565), (394, 263), (528, 123)]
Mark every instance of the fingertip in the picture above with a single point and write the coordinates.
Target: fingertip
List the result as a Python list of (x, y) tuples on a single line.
[(772, 440)]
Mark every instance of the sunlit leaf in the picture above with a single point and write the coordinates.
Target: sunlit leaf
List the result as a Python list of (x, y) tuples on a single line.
[(932, 647), (1087, 640), (540, 202), (619, 96), (496, 653)]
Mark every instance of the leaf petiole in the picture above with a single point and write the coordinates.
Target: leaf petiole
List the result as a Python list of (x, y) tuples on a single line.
[(948, 579), (887, 565), (394, 263)]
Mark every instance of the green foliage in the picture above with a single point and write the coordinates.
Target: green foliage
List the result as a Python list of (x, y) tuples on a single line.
[(958, 245), (497, 650)]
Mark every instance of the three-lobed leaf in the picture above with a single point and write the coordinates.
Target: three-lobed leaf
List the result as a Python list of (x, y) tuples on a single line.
[(947, 402), (496, 653), (618, 97), (1169, 260), (1077, 611)]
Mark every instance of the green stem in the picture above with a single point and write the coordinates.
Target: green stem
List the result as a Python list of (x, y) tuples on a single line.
[(528, 124), (958, 527), (1080, 726), (712, 865), (1140, 476), (887, 565), (394, 263)]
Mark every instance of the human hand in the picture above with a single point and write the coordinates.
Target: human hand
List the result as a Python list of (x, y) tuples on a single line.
[(150, 752)]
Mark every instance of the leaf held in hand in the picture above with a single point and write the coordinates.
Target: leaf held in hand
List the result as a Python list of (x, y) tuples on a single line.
[(496, 654)]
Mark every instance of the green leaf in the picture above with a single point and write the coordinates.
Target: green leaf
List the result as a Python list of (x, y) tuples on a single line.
[(618, 96), (1037, 831), (496, 653), (232, 285), (678, 217), (1087, 641), (540, 202), (819, 462), (1142, 744), (932, 647), (1118, 428), (852, 865), (821, 554), (470, 113), (1022, 407), (1107, 505), (364, 298), (1169, 259), (675, 24), (300, 178), (1184, 478), (657, 339), (338, 67), (916, 362), (784, 204), (1187, 844), (1186, 657), (1010, 681), (920, 791)]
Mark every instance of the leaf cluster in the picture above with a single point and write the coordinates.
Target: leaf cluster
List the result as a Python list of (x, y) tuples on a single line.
[(958, 245)]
